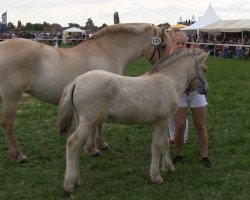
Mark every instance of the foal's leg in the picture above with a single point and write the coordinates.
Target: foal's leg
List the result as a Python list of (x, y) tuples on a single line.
[(101, 144), (90, 147), (10, 102), (156, 149), (167, 164), (72, 176)]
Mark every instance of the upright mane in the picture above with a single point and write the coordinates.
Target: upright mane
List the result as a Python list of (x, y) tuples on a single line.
[(136, 28), (173, 58)]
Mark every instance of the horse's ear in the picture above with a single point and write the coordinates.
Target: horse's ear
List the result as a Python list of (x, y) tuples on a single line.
[(203, 56), (166, 37)]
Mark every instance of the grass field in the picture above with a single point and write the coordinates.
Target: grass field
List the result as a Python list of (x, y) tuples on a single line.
[(123, 172)]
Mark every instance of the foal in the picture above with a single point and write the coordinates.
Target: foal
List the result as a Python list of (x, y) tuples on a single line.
[(98, 96)]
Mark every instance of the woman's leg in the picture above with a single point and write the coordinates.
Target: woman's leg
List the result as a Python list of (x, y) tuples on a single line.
[(199, 118), (180, 124)]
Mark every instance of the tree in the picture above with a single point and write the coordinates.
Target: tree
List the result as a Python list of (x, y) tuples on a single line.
[(11, 26), (74, 25), (116, 18), (29, 27), (38, 27), (90, 24), (103, 25), (45, 26), (19, 25)]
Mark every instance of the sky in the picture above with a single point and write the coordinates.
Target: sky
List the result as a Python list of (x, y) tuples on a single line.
[(155, 12)]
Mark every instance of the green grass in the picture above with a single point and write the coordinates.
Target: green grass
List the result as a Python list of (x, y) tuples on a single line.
[(122, 173)]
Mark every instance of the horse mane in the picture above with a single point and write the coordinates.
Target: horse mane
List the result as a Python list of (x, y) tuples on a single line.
[(163, 63), (136, 28)]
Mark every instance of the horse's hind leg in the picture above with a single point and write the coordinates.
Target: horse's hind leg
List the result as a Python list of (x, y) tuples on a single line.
[(95, 142), (72, 175), (100, 143), (156, 149), (10, 105)]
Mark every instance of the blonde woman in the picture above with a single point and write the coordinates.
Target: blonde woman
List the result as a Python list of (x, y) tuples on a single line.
[(198, 105)]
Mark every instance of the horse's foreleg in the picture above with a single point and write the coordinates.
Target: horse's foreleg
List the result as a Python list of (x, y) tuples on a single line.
[(9, 114), (156, 148), (72, 175)]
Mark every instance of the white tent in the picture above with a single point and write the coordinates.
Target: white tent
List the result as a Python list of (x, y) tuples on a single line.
[(239, 25), (208, 18), (72, 30)]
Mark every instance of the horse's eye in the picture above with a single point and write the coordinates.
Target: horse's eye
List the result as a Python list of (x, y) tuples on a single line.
[(204, 70)]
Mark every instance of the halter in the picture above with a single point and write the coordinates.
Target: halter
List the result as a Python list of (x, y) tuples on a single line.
[(156, 41), (201, 89)]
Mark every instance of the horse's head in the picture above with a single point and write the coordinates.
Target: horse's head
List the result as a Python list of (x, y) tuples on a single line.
[(199, 81), (159, 43)]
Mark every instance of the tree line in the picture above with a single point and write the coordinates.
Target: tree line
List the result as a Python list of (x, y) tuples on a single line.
[(55, 27)]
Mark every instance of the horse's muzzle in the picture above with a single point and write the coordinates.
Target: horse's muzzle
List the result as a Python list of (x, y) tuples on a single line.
[(203, 89)]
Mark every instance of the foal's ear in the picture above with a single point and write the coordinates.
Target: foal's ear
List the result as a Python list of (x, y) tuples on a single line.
[(203, 56)]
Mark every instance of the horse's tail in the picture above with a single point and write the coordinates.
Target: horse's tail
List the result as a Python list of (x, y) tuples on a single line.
[(66, 109)]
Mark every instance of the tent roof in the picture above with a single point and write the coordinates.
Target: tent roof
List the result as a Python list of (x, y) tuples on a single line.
[(208, 18), (228, 26), (178, 26), (74, 30)]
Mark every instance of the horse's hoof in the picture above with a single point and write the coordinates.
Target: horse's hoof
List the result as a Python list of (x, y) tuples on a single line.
[(18, 159), (107, 148), (97, 155), (23, 160), (79, 183), (172, 169), (67, 194), (157, 180)]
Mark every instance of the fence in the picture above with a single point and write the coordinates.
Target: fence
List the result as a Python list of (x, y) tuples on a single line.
[(225, 50)]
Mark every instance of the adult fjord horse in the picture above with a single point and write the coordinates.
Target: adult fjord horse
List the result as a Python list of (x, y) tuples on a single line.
[(98, 96), (43, 71)]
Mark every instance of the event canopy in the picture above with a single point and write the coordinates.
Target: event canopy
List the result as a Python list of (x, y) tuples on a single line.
[(208, 18), (178, 26), (74, 30), (239, 25)]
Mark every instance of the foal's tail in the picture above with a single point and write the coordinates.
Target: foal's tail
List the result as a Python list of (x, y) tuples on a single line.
[(66, 109)]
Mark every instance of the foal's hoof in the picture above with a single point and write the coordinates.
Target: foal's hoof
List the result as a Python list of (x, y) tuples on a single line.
[(97, 155), (157, 180), (107, 148), (67, 194), (23, 161), (18, 159)]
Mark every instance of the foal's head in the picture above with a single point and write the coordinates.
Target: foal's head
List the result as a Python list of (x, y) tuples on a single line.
[(199, 81), (196, 76)]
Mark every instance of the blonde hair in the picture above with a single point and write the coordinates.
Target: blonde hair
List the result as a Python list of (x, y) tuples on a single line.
[(177, 32)]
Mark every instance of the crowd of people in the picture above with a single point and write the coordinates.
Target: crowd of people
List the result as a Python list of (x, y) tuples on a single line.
[(227, 45), (52, 39), (224, 45)]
